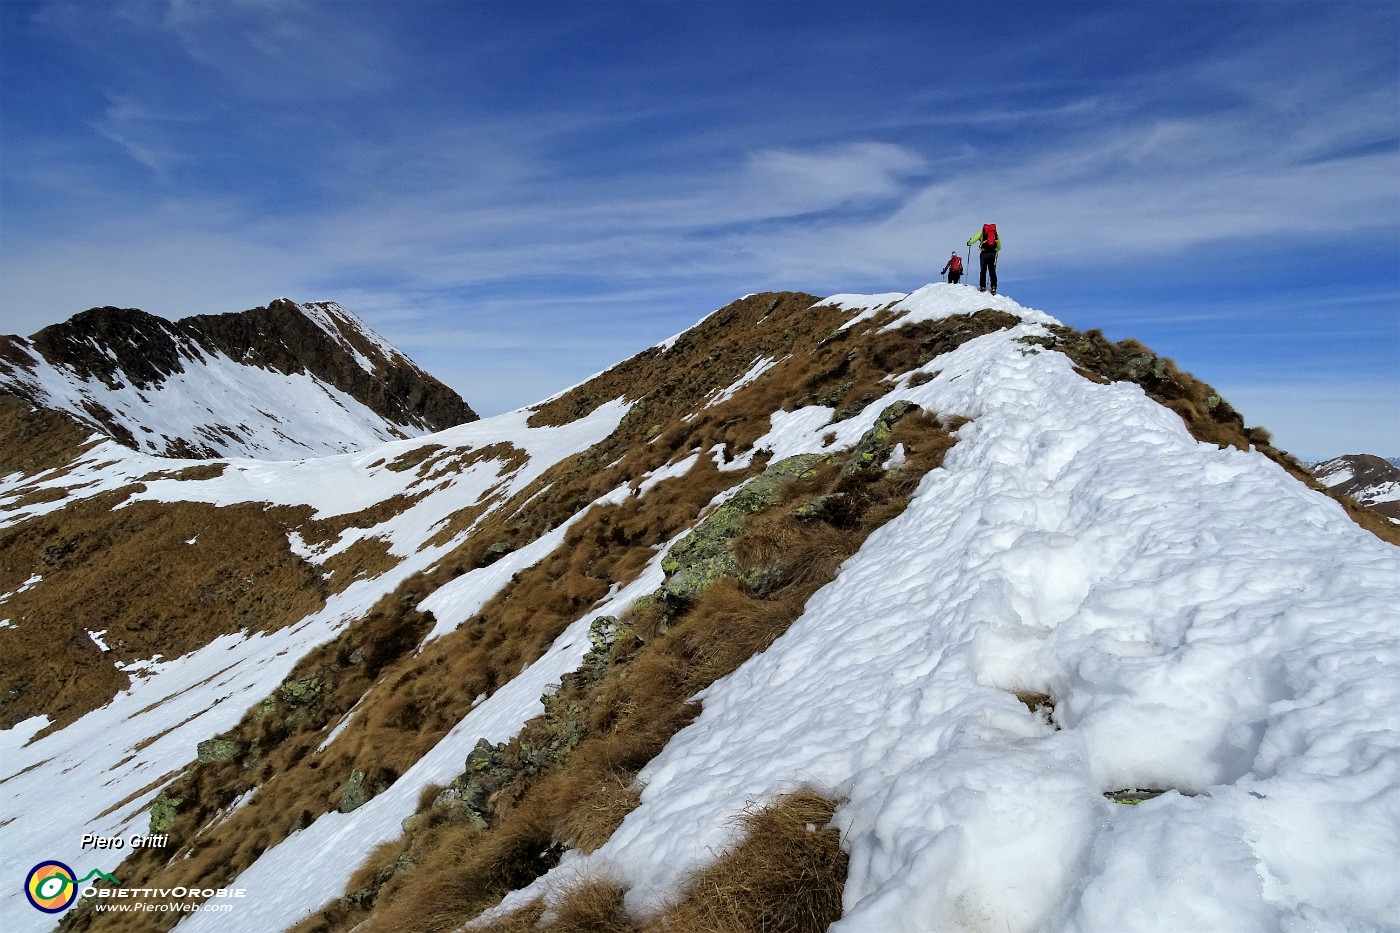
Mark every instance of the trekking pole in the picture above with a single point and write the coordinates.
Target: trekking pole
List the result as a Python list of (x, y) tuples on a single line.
[(969, 260)]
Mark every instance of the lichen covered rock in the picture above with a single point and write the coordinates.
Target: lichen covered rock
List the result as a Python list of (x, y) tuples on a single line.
[(467, 797), (303, 691), (164, 809), (707, 553), (874, 445), (214, 750)]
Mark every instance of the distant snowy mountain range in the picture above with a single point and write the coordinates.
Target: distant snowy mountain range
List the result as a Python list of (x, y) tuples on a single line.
[(281, 382), (1372, 481), (887, 613)]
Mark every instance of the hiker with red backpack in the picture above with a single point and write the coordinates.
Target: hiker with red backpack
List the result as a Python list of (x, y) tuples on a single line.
[(954, 269), (990, 245)]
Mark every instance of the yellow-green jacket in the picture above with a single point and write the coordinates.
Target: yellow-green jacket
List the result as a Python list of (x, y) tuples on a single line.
[(978, 239)]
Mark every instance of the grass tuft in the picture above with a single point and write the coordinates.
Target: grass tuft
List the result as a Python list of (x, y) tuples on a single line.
[(786, 876)]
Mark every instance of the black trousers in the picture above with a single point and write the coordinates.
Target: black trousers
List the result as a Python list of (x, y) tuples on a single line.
[(954, 275), (989, 264)]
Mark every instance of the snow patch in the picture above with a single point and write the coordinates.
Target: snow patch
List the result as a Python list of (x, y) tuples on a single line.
[(759, 367), (1335, 478), (29, 584), (650, 481)]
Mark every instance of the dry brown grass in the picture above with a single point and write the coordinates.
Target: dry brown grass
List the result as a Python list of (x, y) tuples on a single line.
[(130, 572), (417, 698), (594, 795), (625, 714), (365, 559), (476, 868), (412, 458), (710, 356), (204, 471), (786, 876), (588, 907), (36, 439), (852, 368), (592, 907)]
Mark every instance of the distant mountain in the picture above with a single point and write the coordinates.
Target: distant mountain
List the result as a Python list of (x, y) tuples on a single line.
[(282, 382), (894, 613), (1370, 480)]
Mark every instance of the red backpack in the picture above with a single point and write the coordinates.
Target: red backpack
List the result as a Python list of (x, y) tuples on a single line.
[(955, 264), (989, 236)]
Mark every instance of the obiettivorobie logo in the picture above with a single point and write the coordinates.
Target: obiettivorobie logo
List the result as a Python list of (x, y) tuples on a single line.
[(52, 886)]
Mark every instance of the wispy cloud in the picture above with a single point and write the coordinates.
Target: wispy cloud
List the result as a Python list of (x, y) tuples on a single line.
[(278, 49), (142, 131)]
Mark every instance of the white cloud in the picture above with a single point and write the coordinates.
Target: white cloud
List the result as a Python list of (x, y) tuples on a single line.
[(278, 49), (142, 131), (791, 182)]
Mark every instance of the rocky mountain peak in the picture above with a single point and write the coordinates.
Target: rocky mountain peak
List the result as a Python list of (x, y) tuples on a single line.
[(200, 386), (1370, 480)]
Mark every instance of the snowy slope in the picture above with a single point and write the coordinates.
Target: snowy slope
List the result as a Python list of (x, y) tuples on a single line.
[(277, 383), (1204, 624), (223, 405), (106, 786)]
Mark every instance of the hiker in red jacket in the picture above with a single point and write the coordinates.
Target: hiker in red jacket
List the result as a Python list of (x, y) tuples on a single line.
[(989, 247), (954, 269)]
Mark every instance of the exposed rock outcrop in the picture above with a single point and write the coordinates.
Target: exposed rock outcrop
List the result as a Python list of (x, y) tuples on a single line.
[(199, 387)]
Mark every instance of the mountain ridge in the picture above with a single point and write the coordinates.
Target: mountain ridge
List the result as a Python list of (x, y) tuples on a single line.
[(196, 387), (1372, 481), (949, 562)]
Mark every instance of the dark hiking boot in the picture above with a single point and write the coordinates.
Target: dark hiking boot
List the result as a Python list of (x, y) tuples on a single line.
[(994, 289), (981, 288)]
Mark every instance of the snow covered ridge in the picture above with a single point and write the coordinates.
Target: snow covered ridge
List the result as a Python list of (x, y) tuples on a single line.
[(280, 382), (1083, 599), (1170, 603)]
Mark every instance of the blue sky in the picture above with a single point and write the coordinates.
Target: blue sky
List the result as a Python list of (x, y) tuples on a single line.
[(521, 194)]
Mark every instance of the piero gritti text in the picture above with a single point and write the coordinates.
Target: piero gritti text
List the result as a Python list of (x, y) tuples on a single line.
[(134, 841)]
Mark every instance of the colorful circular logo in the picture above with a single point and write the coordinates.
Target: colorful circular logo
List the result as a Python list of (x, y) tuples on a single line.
[(50, 887)]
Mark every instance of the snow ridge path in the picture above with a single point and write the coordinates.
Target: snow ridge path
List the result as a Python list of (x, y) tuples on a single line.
[(1204, 623)]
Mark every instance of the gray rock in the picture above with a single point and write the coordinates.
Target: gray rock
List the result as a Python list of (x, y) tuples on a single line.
[(355, 794), (164, 809), (874, 445), (303, 691), (707, 553)]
